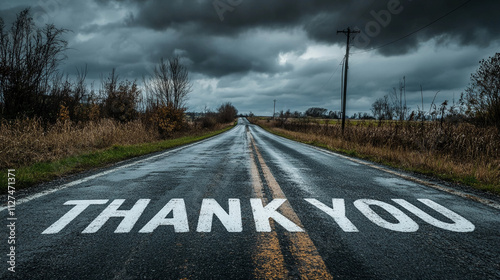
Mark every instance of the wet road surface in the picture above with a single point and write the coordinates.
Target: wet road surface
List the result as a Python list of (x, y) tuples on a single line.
[(250, 205)]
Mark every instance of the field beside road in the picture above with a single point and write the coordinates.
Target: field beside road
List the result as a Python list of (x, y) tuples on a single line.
[(40, 154), (460, 152)]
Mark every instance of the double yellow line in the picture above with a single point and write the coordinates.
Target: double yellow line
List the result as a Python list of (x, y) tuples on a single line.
[(268, 257)]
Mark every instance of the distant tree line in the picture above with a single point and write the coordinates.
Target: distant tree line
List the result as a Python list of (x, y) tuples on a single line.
[(478, 104), (322, 113), (31, 85)]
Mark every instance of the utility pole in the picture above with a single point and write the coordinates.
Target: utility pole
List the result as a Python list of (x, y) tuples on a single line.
[(348, 32), (274, 110), (404, 87)]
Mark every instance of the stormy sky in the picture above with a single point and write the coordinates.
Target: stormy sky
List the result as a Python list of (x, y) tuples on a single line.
[(250, 52)]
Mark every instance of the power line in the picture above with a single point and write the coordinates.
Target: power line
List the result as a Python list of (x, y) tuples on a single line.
[(336, 70), (418, 30)]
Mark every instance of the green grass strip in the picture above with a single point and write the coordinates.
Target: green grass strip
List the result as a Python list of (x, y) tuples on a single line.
[(46, 171)]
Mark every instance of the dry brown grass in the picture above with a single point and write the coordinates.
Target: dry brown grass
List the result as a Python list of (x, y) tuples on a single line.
[(457, 152), (23, 142)]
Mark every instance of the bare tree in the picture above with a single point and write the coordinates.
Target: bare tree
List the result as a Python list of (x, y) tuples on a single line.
[(377, 108), (399, 102), (481, 99), (181, 84), (382, 109), (168, 84), (29, 58), (158, 85)]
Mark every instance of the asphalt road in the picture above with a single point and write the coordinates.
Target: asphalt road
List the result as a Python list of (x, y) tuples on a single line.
[(249, 205)]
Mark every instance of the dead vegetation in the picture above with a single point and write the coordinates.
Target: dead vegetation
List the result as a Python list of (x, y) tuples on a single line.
[(459, 152), (25, 142)]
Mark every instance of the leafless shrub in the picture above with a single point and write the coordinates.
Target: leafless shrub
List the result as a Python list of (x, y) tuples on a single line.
[(120, 98), (226, 113)]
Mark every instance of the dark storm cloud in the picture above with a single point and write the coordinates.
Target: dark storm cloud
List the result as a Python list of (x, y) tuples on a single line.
[(380, 21), (246, 15), (280, 49), (255, 50), (200, 32)]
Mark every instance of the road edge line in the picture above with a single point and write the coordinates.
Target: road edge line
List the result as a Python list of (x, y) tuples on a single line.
[(484, 201), (88, 178)]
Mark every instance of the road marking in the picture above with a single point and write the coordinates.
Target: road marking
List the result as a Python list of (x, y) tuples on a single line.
[(404, 224), (263, 214), (267, 258), (305, 254), (130, 217), (460, 224), (265, 217), (337, 212), (231, 221), (179, 219), (88, 178), (80, 206)]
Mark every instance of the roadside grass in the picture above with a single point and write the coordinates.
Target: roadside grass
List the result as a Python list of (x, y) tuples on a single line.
[(44, 171), (475, 163)]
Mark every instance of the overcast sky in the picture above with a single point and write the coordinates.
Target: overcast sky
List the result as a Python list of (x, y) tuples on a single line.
[(250, 52)]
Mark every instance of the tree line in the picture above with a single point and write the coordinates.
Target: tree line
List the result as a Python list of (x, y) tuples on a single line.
[(31, 85), (478, 104)]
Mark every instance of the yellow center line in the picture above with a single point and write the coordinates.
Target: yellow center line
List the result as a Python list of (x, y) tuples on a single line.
[(268, 257), (305, 254)]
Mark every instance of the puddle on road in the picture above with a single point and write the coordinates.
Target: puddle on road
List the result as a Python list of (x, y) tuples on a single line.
[(394, 182)]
